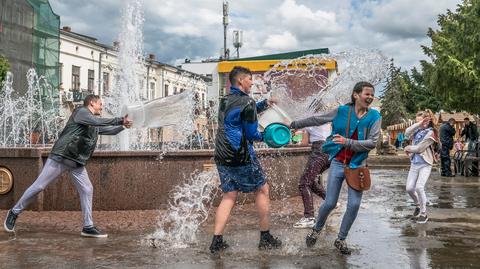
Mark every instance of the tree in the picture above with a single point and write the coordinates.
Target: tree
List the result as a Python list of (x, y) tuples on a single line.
[(422, 97), (393, 100), (454, 73), (4, 68)]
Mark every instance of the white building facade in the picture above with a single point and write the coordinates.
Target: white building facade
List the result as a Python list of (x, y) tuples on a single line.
[(89, 67)]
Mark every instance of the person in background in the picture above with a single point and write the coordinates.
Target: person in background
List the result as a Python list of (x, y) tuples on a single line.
[(422, 156), (446, 139), (458, 145), (470, 132), (311, 179), (400, 139)]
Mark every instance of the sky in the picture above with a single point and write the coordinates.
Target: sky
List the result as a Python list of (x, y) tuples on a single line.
[(179, 29)]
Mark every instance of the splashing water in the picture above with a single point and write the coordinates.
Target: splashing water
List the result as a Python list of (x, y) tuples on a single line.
[(188, 209), (303, 85), (29, 119), (297, 84), (127, 88), (130, 92)]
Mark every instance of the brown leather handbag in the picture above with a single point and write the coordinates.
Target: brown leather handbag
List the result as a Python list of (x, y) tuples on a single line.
[(357, 178)]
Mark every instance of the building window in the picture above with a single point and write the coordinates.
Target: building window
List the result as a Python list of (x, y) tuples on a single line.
[(75, 77), (152, 90), (174, 90), (91, 80), (106, 83), (166, 90)]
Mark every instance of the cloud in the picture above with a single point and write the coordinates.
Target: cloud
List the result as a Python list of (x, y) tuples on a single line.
[(193, 29), (306, 22), (407, 18), (285, 41)]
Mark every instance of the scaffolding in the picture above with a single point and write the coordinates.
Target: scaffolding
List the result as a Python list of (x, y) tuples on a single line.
[(30, 37)]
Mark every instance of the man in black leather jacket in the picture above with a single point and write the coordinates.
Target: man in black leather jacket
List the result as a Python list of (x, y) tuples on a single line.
[(70, 152)]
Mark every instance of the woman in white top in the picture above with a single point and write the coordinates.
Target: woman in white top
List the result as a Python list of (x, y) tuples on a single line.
[(424, 138)]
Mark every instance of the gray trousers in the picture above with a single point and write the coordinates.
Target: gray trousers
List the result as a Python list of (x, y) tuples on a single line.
[(50, 172)]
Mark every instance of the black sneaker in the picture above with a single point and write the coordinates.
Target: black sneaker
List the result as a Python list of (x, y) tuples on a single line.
[(218, 244), (422, 218), (416, 213), (9, 223), (342, 246), (311, 238), (267, 241), (93, 232)]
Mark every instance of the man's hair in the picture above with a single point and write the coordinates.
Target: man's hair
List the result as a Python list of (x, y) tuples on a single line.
[(236, 71), (89, 98), (451, 120), (466, 119)]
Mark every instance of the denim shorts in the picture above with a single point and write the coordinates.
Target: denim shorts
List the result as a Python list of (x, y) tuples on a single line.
[(246, 178)]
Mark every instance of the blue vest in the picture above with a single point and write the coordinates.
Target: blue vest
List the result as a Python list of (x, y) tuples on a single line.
[(339, 125)]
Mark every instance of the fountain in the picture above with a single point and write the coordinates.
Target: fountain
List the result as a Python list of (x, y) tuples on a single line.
[(30, 119), (138, 177)]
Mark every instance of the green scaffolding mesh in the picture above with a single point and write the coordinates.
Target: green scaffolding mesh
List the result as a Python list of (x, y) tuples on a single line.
[(46, 43), (29, 37)]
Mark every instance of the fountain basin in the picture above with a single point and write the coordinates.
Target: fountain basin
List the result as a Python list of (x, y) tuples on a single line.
[(137, 180), (142, 180)]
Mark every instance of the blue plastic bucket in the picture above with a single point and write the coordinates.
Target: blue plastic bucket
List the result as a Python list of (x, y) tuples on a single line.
[(276, 135)]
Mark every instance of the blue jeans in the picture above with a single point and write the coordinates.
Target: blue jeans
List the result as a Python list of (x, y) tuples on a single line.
[(335, 181)]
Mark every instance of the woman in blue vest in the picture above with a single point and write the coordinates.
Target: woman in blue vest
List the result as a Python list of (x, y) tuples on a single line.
[(345, 149)]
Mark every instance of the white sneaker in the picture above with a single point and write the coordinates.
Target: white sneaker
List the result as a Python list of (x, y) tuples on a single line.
[(304, 223)]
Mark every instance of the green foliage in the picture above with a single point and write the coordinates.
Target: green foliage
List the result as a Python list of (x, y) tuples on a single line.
[(453, 74), (394, 109), (4, 67), (422, 97)]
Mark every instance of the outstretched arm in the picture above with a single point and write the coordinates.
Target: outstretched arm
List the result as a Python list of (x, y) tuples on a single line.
[(85, 117), (316, 120), (110, 130)]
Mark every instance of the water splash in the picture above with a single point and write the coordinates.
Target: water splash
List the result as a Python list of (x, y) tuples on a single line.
[(32, 118), (188, 209), (304, 87), (128, 89)]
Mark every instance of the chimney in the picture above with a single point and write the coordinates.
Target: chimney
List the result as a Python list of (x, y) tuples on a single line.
[(67, 29), (151, 57), (116, 44)]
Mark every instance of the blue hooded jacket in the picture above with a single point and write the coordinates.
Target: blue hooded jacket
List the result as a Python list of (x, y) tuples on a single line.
[(237, 128)]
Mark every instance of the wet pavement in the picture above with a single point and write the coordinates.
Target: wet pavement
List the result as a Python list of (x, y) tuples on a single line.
[(383, 235)]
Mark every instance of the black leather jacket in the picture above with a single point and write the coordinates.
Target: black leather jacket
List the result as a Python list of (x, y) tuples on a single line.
[(79, 137)]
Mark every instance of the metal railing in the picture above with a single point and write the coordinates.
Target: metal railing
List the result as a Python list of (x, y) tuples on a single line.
[(467, 162)]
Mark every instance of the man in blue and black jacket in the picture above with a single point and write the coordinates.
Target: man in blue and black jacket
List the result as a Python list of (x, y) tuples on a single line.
[(237, 164)]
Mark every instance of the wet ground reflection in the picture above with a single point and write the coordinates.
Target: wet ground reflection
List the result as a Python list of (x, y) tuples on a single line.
[(383, 236)]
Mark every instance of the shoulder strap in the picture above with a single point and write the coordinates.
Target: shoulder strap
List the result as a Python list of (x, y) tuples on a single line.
[(347, 133)]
